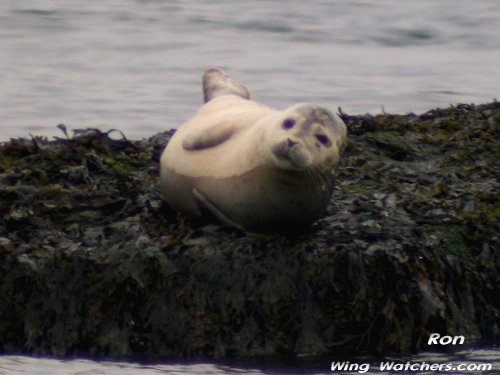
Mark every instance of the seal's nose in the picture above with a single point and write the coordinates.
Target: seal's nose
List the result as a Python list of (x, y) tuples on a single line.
[(291, 143)]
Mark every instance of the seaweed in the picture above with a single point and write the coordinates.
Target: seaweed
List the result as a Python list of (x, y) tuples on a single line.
[(93, 262)]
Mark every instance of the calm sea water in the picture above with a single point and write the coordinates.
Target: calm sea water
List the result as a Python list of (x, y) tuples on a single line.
[(136, 65)]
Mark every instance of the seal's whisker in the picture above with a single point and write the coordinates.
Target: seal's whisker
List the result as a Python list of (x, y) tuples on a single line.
[(311, 179), (323, 177), (317, 179)]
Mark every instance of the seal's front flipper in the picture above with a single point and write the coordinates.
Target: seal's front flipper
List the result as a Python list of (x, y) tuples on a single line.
[(205, 205), (211, 137), (217, 83)]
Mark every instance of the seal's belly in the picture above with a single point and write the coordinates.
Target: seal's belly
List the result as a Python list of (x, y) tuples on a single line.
[(257, 199), (260, 198)]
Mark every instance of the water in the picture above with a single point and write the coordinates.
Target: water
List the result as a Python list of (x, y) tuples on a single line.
[(18, 365), (136, 65)]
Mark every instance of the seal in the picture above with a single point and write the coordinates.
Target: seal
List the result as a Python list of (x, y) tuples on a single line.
[(250, 165)]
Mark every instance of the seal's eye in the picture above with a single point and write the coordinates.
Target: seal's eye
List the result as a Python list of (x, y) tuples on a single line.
[(288, 123), (323, 139)]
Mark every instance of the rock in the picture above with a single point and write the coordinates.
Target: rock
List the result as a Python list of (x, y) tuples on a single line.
[(6, 245), (92, 262)]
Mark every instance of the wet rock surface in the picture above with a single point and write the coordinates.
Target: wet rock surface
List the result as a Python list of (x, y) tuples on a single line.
[(92, 262)]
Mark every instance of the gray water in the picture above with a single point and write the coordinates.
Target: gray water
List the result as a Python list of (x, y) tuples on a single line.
[(135, 65), (21, 365)]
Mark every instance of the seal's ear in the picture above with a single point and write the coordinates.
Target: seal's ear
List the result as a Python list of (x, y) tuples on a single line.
[(217, 83), (211, 137)]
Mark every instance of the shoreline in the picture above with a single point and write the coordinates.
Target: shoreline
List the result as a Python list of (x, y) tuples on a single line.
[(93, 263)]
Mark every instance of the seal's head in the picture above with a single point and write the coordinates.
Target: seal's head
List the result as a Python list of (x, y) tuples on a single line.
[(307, 137)]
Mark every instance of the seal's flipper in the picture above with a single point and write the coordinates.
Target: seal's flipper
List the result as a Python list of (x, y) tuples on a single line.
[(217, 83), (211, 137), (205, 205)]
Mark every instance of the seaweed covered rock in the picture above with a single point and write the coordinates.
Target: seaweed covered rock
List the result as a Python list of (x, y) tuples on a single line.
[(92, 262)]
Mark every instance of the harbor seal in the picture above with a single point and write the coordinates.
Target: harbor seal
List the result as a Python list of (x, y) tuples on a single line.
[(250, 165)]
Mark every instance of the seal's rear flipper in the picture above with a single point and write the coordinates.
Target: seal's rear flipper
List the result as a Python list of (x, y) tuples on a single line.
[(205, 205), (217, 83)]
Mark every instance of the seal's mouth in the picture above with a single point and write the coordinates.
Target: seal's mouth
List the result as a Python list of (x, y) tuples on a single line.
[(292, 153)]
